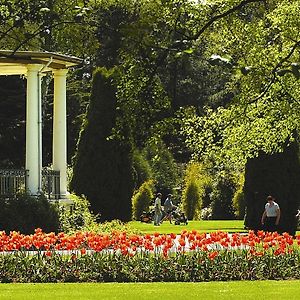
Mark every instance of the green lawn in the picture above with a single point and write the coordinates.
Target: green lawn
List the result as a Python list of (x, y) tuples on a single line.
[(201, 226), (167, 291)]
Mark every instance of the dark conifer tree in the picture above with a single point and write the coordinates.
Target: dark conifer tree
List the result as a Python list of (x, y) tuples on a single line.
[(277, 175), (103, 164)]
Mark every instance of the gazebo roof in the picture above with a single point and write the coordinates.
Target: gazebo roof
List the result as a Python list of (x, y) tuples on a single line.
[(14, 63)]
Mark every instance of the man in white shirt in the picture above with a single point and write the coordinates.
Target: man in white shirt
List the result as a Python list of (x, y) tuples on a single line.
[(157, 210), (271, 216)]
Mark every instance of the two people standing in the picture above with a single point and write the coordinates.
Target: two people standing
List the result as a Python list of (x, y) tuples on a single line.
[(271, 216), (158, 211)]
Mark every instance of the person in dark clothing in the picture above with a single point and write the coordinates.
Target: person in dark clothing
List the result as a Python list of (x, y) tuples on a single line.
[(168, 208)]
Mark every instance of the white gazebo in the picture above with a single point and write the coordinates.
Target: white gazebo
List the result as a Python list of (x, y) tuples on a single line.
[(33, 65)]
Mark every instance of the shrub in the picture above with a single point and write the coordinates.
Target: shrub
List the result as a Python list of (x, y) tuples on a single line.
[(77, 216), (221, 196), (142, 199), (191, 200), (239, 200), (206, 213), (116, 226), (24, 213), (195, 182)]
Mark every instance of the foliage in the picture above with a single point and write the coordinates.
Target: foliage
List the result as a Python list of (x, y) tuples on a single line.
[(206, 213), (223, 189), (24, 213), (165, 171), (238, 58), (195, 181), (239, 199), (148, 259), (40, 25), (142, 198), (264, 51), (141, 168), (113, 226), (103, 163), (77, 216)]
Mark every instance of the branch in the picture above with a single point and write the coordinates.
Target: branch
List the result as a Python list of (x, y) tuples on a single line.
[(222, 15), (38, 32), (273, 80)]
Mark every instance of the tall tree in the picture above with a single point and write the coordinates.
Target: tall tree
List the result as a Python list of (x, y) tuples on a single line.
[(261, 44), (103, 167)]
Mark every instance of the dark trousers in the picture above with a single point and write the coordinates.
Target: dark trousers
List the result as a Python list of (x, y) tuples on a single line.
[(270, 224)]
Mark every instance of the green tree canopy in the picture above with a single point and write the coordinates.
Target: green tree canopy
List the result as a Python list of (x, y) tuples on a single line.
[(262, 43)]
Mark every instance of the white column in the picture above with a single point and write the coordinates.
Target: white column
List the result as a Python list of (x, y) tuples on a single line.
[(60, 128), (33, 138)]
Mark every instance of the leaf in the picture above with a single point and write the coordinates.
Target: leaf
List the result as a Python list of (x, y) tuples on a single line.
[(188, 51), (178, 54)]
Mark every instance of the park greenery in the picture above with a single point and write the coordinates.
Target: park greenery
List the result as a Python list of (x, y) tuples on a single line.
[(191, 96)]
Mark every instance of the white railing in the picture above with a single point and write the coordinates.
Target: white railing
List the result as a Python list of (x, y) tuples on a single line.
[(13, 181)]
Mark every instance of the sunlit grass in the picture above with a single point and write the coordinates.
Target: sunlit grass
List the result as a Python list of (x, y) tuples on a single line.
[(201, 226), (155, 291)]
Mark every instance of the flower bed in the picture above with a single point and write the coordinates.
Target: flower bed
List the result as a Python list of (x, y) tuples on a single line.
[(191, 256)]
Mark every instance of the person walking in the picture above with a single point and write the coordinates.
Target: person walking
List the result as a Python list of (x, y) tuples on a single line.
[(168, 208), (271, 216), (157, 209)]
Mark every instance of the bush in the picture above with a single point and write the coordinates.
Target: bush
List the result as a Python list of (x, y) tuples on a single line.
[(77, 216), (221, 196), (24, 213), (116, 226), (141, 199), (206, 213), (195, 182), (239, 200), (191, 200)]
